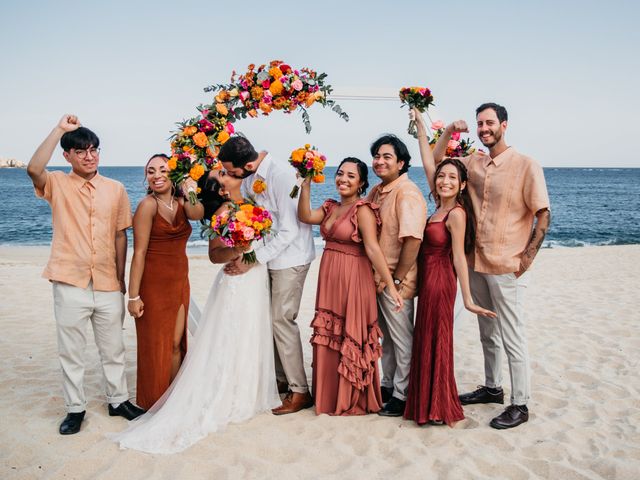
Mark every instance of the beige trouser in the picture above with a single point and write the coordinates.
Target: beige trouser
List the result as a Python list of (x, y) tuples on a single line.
[(397, 341), (286, 293), (73, 308), (504, 294)]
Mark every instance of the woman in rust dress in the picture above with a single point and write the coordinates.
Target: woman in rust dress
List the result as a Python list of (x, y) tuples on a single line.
[(159, 280), (346, 336)]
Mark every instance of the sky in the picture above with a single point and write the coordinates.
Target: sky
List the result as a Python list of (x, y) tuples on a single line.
[(567, 71)]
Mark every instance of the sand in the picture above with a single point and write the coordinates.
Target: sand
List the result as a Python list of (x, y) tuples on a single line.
[(584, 338)]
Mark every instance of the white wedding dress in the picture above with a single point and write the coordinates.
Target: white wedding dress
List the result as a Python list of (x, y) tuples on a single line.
[(227, 376)]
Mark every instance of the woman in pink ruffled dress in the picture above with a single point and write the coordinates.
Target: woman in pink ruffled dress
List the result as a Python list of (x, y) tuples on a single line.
[(346, 336)]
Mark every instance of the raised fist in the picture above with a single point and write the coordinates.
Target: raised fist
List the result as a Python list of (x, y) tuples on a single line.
[(69, 123), (458, 126)]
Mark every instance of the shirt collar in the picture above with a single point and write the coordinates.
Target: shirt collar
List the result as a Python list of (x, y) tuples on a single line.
[(80, 182), (499, 159), (393, 185), (265, 165)]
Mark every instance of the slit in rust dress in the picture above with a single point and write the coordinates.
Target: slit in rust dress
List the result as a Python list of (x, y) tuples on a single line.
[(164, 288)]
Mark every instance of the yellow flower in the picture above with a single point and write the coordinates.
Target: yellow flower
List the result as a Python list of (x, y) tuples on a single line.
[(257, 92), (258, 187), (307, 146), (196, 171), (318, 164), (241, 216), (222, 137), (172, 163), (247, 207)]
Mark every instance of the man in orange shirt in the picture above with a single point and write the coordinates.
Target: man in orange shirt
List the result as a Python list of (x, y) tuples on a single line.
[(90, 215), (403, 212), (511, 205)]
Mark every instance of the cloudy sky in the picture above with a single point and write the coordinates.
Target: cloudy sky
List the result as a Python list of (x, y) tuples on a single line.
[(567, 71)]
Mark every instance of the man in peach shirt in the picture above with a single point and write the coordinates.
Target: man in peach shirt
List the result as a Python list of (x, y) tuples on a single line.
[(403, 212), (90, 215), (511, 205)]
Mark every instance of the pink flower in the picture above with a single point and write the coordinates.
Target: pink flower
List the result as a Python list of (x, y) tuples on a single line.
[(437, 125), (455, 136), (453, 144), (229, 128), (244, 95), (248, 233), (266, 84), (205, 112), (297, 85)]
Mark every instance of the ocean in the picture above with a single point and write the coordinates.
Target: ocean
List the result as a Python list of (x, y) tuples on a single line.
[(590, 206)]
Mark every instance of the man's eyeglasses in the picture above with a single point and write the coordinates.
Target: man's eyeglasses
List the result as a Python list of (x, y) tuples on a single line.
[(82, 154)]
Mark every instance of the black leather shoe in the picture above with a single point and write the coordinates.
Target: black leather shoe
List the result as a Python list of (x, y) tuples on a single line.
[(393, 408), (71, 423), (513, 416), (483, 395), (127, 410), (387, 393)]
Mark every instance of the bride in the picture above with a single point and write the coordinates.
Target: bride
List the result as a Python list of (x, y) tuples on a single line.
[(228, 375)]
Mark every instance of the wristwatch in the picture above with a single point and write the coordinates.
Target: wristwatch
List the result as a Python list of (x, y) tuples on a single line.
[(396, 282)]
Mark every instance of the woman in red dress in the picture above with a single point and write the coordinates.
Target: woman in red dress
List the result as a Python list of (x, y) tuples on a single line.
[(450, 234), (346, 336)]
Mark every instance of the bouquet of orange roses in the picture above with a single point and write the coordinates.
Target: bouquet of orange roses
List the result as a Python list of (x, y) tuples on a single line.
[(456, 147), (419, 97), (309, 162), (239, 226)]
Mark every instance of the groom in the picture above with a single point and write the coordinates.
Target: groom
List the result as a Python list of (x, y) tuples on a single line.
[(287, 255)]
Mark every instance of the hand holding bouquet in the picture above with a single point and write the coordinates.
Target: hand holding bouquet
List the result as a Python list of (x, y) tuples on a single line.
[(309, 163), (239, 226), (416, 97)]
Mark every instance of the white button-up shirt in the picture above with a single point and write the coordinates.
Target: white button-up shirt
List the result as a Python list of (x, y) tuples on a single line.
[(292, 243)]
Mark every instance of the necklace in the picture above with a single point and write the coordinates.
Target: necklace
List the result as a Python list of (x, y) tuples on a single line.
[(168, 205)]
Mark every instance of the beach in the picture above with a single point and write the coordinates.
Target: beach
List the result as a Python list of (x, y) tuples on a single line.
[(583, 327)]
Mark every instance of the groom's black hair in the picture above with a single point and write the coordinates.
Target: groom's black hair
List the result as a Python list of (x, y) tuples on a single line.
[(501, 112), (238, 151)]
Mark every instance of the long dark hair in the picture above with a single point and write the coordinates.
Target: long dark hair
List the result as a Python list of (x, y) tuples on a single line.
[(210, 196), (463, 198)]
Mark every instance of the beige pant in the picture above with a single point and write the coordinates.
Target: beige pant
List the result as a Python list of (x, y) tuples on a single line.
[(74, 307), (397, 342), (286, 293), (504, 294)]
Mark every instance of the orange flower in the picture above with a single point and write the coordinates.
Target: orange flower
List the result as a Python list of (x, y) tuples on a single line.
[(302, 96), (257, 92), (201, 140), (265, 108), (222, 137), (318, 164), (222, 109), (213, 153), (172, 163), (190, 130), (223, 96), (252, 113), (310, 100), (258, 187), (188, 150), (318, 178), (196, 171), (276, 88), (217, 165), (275, 73), (297, 155), (279, 102)]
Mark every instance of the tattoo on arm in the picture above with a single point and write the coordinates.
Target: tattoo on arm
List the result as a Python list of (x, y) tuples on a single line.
[(543, 219)]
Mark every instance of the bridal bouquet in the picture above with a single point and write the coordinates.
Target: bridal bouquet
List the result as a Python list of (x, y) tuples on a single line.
[(419, 97), (456, 147), (276, 86), (309, 163), (239, 226), (195, 145)]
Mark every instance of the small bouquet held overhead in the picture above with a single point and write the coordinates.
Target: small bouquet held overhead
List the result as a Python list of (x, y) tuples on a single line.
[(456, 147), (309, 163), (240, 226), (418, 97)]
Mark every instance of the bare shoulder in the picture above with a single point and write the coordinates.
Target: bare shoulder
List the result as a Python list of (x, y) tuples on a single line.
[(457, 216), (147, 205)]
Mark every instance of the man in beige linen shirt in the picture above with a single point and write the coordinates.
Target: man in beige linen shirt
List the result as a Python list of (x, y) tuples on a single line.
[(90, 215), (403, 212), (511, 205)]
